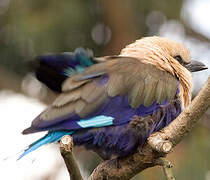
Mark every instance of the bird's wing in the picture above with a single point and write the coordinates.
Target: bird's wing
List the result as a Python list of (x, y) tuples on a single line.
[(108, 92), (144, 83)]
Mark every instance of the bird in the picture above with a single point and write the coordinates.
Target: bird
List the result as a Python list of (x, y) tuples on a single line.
[(112, 104)]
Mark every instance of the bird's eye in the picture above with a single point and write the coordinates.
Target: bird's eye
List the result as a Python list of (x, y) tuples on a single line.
[(178, 58)]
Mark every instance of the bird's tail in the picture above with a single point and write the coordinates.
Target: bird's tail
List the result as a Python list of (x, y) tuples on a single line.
[(48, 138), (53, 69)]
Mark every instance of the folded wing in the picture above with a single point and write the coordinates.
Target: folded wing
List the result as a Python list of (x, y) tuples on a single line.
[(117, 87)]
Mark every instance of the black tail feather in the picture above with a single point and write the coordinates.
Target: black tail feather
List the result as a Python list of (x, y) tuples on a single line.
[(51, 69)]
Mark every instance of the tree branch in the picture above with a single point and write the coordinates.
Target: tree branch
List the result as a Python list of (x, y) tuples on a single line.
[(148, 156), (66, 145)]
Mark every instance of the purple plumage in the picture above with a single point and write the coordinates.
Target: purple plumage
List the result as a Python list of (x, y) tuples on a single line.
[(124, 136), (121, 138)]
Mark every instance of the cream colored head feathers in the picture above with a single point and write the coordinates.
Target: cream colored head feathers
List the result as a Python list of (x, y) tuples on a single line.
[(160, 52)]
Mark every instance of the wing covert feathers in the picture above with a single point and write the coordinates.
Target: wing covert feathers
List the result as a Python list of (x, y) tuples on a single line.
[(83, 93)]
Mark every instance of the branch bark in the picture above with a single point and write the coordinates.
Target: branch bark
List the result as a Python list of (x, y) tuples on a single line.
[(149, 155)]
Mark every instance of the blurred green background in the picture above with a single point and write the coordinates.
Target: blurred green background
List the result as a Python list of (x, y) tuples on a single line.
[(32, 27)]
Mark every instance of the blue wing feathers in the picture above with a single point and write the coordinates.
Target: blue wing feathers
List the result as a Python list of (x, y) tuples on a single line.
[(98, 121), (116, 111)]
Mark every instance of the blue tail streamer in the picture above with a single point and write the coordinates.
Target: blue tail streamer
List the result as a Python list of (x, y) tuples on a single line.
[(48, 138)]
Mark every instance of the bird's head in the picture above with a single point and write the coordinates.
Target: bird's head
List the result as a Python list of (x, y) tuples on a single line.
[(169, 56)]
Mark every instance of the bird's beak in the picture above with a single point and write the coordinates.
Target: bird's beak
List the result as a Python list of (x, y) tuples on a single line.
[(194, 66)]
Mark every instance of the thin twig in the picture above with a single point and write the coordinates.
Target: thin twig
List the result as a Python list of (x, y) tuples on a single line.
[(66, 146), (167, 168)]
